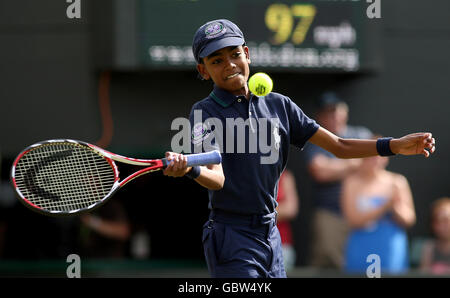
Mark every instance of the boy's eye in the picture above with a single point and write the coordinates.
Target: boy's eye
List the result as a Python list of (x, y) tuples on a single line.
[(237, 54), (216, 61)]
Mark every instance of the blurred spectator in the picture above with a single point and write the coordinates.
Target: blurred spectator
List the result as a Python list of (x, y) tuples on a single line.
[(287, 209), (378, 205), (140, 243), (105, 231), (329, 229), (436, 253)]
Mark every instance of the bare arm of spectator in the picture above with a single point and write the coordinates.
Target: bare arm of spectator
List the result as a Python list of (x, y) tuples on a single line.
[(403, 205)]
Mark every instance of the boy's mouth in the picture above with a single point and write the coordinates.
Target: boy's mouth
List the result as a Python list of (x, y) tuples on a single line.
[(233, 75)]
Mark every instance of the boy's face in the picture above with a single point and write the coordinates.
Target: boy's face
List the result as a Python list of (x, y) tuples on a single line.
[(228, 68)]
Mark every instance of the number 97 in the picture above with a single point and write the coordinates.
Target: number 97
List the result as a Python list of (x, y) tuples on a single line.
[(280, 19)]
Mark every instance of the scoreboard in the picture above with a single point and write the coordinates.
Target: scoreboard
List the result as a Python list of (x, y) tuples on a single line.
[(299, 36)]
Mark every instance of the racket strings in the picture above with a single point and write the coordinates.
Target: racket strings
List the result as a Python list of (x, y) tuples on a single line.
[(64, 177)]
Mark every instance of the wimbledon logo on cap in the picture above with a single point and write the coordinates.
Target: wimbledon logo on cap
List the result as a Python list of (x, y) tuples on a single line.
[(214, 30)]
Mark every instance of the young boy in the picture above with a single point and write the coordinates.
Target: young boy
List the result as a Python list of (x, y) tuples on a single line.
[(241, 238)]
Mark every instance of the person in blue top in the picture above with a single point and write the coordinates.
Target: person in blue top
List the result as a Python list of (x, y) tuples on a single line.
[(253, 133), (378, 205)]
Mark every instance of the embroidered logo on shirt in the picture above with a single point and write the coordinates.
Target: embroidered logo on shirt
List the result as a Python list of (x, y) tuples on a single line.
[(199, 133), (276, 137)]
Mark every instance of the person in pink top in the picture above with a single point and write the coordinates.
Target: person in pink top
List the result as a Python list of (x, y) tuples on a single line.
[(436, 253)]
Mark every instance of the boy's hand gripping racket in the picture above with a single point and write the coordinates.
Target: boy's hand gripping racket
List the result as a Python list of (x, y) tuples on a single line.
[(65, 177)]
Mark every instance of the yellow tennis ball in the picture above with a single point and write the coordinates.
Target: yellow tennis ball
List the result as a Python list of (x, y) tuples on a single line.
[(260, 84)]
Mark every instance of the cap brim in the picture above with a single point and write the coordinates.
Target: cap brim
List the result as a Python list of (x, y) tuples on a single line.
[(220, 44)]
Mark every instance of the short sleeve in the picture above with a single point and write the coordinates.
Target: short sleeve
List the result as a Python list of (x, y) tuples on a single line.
[(302, 128)]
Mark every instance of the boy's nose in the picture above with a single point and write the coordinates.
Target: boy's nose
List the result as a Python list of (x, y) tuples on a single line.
[(230, 63)]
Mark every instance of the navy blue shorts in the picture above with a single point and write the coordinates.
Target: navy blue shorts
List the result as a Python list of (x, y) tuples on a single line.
[(238, 246)]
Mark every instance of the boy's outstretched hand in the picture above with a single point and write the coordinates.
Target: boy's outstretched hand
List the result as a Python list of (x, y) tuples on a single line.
[(415, 143)]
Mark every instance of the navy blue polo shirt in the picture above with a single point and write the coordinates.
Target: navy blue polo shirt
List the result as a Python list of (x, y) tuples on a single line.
[(254, 137)]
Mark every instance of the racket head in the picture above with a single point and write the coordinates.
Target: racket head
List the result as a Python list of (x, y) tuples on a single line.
[(63, 177)]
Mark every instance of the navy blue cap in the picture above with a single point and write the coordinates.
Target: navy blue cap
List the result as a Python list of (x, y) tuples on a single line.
[(328, 99), (216, 35)]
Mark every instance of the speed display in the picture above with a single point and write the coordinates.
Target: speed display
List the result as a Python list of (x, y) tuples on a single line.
[(321, 35)]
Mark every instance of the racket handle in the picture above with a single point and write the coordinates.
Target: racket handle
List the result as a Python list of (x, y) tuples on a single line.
[(201, 159)]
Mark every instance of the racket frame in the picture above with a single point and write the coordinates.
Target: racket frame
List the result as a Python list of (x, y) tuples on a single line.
[(155, 165)]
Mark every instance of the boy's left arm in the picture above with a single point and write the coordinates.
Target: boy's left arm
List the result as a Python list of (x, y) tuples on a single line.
[(412, 144)]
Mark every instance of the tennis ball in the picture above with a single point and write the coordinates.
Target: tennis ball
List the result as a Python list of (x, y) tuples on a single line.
[(260, 84)]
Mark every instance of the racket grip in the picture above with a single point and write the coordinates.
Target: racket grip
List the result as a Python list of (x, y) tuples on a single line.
[(201, 159)]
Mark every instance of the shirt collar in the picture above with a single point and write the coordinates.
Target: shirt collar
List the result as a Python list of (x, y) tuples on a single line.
[(225, 98)]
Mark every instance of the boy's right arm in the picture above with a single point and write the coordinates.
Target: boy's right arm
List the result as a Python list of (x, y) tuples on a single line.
[(211, 176)]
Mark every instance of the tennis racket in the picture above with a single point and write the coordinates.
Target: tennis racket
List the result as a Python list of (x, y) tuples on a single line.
[(65, 177)]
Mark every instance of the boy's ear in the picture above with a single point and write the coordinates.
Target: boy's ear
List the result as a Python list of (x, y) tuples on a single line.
[(202, 71), (247, 54)]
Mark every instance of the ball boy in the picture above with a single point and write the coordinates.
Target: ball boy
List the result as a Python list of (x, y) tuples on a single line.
[(241, 238)]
